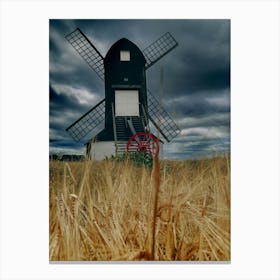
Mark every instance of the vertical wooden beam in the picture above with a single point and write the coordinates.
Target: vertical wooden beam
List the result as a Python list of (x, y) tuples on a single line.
[(114, 127)]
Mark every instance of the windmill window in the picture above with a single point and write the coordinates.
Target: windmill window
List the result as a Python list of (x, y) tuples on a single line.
[(125, 55)]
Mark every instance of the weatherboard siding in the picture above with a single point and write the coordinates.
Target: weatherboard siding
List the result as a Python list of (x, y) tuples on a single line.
[(101, 150)]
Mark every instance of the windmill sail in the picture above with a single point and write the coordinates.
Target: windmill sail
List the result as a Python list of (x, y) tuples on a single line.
[(86, 123), (87, 51), (161, 119), (159, 48)]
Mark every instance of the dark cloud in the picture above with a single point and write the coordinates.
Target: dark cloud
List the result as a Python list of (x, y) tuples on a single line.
[(196, 106), (64, 110), (62, 103), (196, 76), (81, 77)]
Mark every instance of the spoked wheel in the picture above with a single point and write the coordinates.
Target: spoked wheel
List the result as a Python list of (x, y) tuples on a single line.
[(143, 142)]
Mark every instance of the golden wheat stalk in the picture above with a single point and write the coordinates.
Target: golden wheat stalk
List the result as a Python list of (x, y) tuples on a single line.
[(156, 186)]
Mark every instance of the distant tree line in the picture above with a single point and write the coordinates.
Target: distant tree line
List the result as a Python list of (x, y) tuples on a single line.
[(66, 157)]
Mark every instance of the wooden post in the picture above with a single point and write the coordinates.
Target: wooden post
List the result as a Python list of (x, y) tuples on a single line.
[(114, 127)]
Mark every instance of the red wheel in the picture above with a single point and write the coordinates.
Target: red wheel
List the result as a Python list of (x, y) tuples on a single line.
[(143, 142)]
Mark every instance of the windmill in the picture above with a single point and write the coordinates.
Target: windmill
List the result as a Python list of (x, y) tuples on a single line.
[(127, 107)]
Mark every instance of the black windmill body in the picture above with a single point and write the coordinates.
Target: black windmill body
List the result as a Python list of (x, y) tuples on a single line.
[(125, 90), (127, 107)]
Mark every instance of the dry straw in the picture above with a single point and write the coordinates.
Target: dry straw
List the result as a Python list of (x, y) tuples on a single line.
[(116, 211)]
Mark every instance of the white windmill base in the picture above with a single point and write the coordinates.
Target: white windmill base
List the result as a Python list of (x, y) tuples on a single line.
[(106, 149), (100, 150)]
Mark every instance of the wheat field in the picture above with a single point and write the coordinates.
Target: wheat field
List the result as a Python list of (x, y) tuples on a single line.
[(117, 211)]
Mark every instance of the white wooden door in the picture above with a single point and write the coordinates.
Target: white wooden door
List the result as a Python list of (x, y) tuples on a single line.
[(126, 103)]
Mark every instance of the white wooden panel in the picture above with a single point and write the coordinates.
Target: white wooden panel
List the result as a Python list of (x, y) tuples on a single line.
[(126, 103), (101, 150)]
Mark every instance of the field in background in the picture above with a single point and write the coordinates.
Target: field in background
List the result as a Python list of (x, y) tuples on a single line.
[(104, 211)]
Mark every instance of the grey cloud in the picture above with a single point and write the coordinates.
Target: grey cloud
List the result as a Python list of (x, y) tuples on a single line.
[(61, 102)]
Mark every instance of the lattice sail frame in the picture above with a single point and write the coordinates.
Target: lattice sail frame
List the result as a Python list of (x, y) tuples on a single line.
[(86, 123), (154, 52), (161, 119), (87, 51)]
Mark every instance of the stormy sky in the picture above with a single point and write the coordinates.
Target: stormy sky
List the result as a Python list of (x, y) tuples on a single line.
[(196, 84)]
